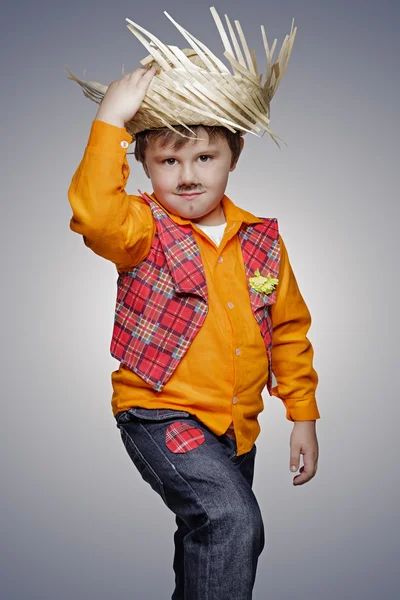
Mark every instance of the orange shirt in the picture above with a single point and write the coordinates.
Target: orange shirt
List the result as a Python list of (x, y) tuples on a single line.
[(221, 377)]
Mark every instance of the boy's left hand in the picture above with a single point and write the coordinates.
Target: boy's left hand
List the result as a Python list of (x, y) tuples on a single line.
[(303, 440)]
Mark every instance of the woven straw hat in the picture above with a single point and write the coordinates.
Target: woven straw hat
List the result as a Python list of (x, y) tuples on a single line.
[(192, 86)]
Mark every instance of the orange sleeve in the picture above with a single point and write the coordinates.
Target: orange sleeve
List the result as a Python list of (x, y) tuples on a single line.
[(115, 225), (292, 352)]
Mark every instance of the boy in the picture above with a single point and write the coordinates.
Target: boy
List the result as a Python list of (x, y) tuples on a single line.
[(187, 333)]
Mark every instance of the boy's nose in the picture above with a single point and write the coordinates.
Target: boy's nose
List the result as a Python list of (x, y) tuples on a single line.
[(188, 177)]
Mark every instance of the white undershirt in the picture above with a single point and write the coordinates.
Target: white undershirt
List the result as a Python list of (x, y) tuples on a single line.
[(214, 232)]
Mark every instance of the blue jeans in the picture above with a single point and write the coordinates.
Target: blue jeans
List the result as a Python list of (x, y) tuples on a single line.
[(200, 478)]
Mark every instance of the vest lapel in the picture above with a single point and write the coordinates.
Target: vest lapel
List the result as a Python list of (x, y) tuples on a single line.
[(181, 253), (260, 250)]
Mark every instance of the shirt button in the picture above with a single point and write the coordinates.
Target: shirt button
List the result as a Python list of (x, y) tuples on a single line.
[(220, 259), (235, 399), (124, 144), (230, 304), (238, 351)]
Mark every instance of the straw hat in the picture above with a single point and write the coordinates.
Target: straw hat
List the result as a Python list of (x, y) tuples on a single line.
[(192, 86)]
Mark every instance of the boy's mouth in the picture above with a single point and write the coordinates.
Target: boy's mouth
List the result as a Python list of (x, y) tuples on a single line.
[(190, 195)]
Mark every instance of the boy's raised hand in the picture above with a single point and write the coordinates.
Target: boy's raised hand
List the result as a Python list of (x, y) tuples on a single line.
[(124, 96)]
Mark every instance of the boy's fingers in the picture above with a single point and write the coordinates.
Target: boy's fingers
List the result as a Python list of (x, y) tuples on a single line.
[(147, 77), (137, 72), (144, 74), (307, 471), (294, 459), (302, 478)]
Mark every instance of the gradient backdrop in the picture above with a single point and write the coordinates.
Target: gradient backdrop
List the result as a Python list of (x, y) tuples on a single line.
[(77, 520)]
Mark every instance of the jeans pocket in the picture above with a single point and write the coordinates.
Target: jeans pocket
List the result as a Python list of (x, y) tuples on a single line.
[(146, 471), (149, 414), (237, 460)]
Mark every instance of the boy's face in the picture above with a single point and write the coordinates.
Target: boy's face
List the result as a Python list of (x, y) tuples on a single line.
[(198, 167)]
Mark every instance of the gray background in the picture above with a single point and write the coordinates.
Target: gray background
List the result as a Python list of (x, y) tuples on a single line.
[(77, 521)]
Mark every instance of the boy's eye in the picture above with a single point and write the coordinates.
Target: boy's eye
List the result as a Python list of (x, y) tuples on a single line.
[(201, 156)]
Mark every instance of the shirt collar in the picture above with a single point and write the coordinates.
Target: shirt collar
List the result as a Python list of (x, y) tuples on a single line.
[(232, 212)]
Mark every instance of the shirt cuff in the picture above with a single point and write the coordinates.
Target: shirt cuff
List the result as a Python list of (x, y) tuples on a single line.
[(299, 409), (107, 138)]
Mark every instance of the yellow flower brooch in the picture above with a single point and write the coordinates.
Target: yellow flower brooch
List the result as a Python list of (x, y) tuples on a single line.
[(265, 285)]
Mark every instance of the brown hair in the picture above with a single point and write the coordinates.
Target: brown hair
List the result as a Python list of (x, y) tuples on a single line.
[(168, 137)]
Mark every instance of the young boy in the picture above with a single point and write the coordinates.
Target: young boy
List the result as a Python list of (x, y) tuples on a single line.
[(198, 325)]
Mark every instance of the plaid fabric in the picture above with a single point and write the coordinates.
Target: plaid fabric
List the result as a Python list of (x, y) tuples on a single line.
[(162, 302), (260, 250), (181, 437)]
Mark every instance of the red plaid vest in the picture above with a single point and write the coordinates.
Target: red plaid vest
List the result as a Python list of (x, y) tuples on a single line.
[(162, 302)]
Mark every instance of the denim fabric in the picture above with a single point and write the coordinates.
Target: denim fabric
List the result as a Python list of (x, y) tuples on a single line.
[(220, 530)]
